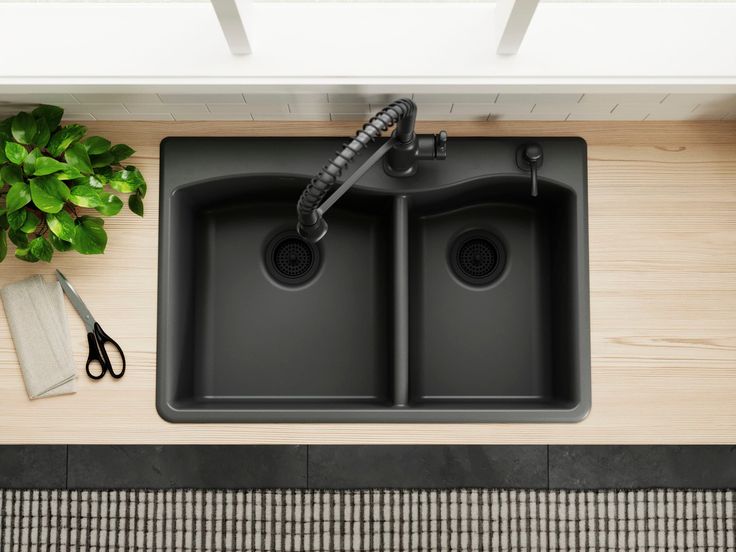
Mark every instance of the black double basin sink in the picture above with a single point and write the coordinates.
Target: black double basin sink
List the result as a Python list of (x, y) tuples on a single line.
[(449, 296)]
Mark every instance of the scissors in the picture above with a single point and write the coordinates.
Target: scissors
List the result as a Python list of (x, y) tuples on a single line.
[(96, 337)]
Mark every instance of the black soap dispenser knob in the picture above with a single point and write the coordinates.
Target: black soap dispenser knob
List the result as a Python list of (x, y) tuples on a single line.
[(529, 157)]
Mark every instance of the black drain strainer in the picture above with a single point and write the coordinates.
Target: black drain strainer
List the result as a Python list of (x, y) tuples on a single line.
[(477, 257), (290, 259)]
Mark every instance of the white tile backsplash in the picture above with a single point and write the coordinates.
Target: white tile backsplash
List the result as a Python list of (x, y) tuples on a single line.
[(236, 109), (118, 98), (451, 117), (542, 108), (669, 116), (78, 117), (590, 100), (292, 117), (212, 116), (133, 116), (99, 109), (696, 99), (144, 108), (433, 108), (383, 99), (202, 98), (330, 108), (491, 109), (547, 99), (357, 117), (559, 116), (455, 98), (276, 98), (38, 98), (6, 110), (357, 106)]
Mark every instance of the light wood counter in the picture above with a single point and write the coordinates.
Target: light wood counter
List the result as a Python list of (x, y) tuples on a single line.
[(663, 301)]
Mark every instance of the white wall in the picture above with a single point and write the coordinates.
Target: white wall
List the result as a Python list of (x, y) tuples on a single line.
[(591, 60)]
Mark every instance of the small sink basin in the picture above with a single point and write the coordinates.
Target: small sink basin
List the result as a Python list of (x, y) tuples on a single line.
[(492, 300), (450, 296)]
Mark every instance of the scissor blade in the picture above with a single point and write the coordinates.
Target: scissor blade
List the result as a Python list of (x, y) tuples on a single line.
[(76, 301)]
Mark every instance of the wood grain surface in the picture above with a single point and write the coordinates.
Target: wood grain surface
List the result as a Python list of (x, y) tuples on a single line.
[(663, 300)]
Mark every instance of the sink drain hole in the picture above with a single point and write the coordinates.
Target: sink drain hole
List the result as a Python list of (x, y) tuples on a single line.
[(477, 257), (290, 260)]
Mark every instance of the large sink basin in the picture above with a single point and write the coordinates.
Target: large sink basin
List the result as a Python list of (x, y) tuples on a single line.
[(450, 296)]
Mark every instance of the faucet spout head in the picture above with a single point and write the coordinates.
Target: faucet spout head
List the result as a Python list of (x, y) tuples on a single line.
[(313, 232)]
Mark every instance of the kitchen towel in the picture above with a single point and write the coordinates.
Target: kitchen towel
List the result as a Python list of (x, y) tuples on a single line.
[(38, 325)]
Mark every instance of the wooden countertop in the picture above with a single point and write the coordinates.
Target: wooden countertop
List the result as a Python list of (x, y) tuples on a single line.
[(663, 300)]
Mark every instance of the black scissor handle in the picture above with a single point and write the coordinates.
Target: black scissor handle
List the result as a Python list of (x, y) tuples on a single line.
[(97, 353)]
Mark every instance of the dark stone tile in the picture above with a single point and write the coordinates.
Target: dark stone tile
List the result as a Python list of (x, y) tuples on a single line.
[(32, 466), (635, 467), (195, 466), (342, 467)]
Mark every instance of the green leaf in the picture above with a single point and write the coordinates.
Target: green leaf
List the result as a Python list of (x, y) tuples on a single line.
[(26, 255), (89, 236), (142, 187), (43, 134), (11, 174), (59, 244), (48, 165), (31, 222), (105, 171), (120, 152), (4, 221), (29, 163), (84, 196), (69, 173), (15, 152), (77, 157), (102, 160), (126, 181), (3, 245), (17, 219), (41, 248), (24, 128), (49, 193), (18, 196), (96, 145), (135, 203), (61, 225), (110, 204), (64, 138), (50, 113), (5, 129), (94, 180), (18, 238), (3, 157)]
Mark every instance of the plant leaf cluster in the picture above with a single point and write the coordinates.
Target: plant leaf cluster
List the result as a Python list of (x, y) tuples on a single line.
[(57, 184)]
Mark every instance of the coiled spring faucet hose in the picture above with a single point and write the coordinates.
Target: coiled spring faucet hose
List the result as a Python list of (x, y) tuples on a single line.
[(311, 225)]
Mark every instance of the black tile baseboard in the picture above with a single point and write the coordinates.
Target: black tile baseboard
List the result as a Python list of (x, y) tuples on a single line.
[(340, 467), (637, 467), (436, 466), (32, 466), (191, 466)]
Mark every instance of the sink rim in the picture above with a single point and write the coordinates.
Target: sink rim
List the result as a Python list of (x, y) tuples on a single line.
[(191, 412)]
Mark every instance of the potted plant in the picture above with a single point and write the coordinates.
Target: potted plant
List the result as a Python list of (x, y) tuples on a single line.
[(56, 182)]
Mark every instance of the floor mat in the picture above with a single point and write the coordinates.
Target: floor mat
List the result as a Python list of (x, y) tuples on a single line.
[(378, 520)]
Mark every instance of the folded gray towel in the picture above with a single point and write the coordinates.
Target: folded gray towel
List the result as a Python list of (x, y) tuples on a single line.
[(35, 313)]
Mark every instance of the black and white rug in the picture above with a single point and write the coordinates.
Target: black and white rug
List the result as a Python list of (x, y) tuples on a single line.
[(367, 520)]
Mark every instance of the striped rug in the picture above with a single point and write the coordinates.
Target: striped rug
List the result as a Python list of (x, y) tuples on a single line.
[(366, 520)]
